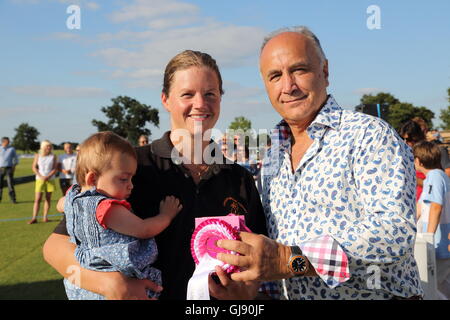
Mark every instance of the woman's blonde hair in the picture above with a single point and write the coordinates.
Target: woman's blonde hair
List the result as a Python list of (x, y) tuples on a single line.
[(44, 144), (96, 152), (185, 60)]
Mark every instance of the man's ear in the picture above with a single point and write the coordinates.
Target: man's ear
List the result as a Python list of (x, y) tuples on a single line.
[(90, 179), (325, 70)]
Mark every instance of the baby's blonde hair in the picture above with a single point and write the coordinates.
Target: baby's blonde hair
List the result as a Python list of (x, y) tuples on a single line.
[(96, 152)]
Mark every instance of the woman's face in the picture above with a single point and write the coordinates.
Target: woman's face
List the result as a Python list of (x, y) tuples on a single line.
[(47, 149), (194, 99)]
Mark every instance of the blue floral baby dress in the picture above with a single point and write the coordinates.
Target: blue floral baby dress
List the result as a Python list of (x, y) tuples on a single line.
[(102, 249)]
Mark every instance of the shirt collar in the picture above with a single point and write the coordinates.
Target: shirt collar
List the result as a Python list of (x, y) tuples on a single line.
[(328, 116)]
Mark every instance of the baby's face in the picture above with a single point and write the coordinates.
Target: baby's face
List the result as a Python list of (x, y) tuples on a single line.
[(116, 182)]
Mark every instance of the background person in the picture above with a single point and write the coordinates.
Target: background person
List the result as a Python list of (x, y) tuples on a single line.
[(412, 133), (45, 167), (192, 91), (143, 140), (8, 163), (433, 209), (66, 165)]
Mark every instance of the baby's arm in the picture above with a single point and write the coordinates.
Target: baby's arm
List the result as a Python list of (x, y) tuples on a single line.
[(121, 220)]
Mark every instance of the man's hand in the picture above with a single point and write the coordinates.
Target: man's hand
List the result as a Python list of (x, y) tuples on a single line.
[(232, 290), (262, 258)]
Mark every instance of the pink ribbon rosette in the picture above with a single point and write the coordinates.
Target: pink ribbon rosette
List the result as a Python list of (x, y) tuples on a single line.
[(204, 250)]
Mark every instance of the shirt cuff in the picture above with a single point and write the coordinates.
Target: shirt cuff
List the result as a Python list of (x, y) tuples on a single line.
[(328, 259), (271, 289)]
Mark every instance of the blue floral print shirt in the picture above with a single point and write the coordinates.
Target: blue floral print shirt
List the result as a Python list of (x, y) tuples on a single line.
[(355, 185)]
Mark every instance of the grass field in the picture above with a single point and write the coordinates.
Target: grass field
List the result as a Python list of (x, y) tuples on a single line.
[(23, 272)]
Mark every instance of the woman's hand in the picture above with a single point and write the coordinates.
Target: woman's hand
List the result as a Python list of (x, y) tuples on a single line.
[(123, 288), (232, 290)]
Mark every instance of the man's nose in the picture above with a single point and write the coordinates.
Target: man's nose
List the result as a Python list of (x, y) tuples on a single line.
[(288, 84)]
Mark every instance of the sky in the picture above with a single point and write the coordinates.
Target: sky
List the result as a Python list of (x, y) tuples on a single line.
[(57, 78)]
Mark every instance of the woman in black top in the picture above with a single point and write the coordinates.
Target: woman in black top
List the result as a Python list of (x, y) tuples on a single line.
[(183, 163)]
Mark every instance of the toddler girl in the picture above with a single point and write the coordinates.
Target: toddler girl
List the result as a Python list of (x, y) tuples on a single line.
[(109, 237)]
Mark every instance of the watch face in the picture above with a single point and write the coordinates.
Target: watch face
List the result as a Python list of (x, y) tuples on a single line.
[(299, 265)]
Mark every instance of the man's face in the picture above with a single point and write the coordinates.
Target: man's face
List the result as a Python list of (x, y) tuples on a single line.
[(5, 143), (68, 148), (294, 76)]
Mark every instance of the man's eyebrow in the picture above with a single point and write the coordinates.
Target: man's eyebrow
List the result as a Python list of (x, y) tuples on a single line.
[(302, 64), (272, 72)]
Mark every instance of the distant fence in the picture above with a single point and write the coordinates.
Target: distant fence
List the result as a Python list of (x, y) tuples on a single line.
[(24, 179)]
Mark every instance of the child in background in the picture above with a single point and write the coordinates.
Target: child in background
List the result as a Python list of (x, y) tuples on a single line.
[(107, 234), (433, 208)]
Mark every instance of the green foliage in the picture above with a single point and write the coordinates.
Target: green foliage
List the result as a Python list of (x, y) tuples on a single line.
[(128, 118), (26, 138), (381, 98), (445, 114), (399, 112), (240, 123)]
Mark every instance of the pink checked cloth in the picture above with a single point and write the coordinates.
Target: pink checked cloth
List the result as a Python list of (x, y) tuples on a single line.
[(328, 259)]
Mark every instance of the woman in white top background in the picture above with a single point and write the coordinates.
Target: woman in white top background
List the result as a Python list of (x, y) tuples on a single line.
[(45, 168)]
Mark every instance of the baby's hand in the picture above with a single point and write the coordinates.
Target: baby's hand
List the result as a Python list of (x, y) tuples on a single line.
[(170, 206)]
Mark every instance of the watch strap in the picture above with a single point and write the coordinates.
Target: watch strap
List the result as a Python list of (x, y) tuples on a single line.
[(296, 251)]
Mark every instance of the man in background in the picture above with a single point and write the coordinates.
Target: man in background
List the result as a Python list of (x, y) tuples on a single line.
[(8, 162)]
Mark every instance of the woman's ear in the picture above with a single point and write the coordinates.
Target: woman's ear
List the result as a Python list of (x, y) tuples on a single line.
[(90, 179), (164, 99)]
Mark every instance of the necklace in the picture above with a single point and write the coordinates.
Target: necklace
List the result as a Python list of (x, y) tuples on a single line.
[(197, 169)]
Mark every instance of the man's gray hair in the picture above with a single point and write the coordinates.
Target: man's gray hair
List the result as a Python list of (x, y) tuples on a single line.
[(300, 30)]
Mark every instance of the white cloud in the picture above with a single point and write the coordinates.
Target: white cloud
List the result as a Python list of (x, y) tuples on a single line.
[(362, 91), (138, 57), (143, 10), (168, 27), (230, 45), (91, 5), (59, 92), (14, 111)]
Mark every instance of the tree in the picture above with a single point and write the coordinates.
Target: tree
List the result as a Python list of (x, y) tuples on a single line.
[(128, 118), (241, 123), (445, 114), (26, 138), (242, 128), (399, 112), (381, 98)]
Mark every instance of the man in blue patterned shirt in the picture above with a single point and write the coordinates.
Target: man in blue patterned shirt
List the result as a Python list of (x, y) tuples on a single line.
[(338, 190)]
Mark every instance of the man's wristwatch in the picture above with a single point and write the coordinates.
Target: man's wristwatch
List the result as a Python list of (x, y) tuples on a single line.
[(298, 264)]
